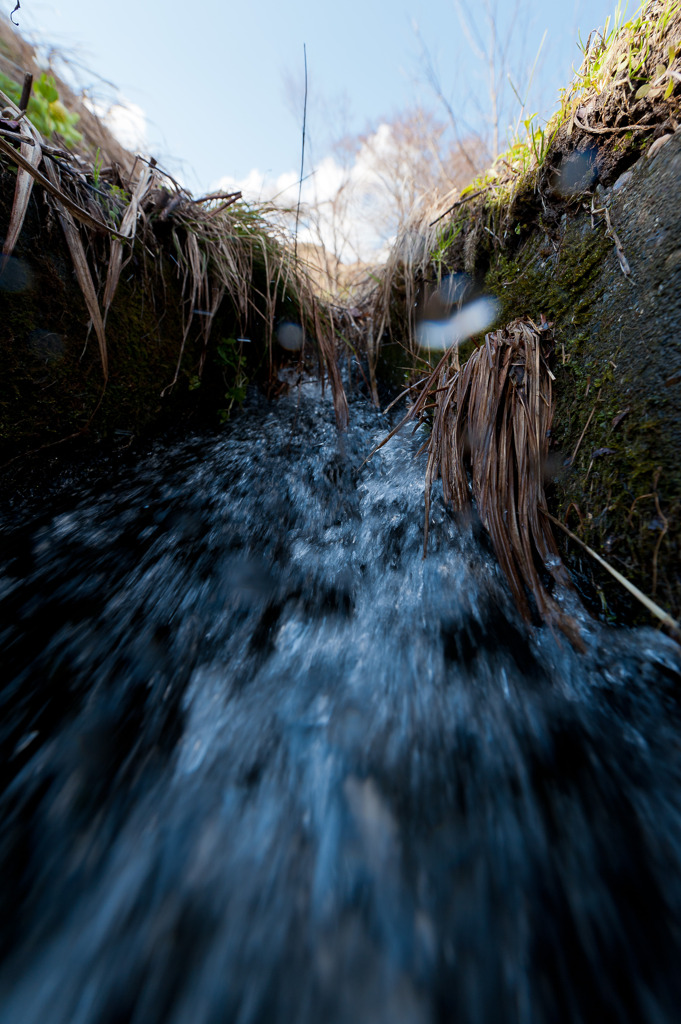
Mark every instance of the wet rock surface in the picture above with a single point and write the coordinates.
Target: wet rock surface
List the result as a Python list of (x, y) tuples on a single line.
[(626, 479), (617, 363)]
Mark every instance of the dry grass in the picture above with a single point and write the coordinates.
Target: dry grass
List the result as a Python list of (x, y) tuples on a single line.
[(639, 56), (489, 443), (225, 244)]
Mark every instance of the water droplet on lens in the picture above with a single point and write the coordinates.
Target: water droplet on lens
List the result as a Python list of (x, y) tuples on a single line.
[(290, 336), (15, 275)]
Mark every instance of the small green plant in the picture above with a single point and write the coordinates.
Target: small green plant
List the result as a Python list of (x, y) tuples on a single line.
[(120, 194), (233, 362), (45, 109), (113, 199), (621, 51), (540, 139), (445, 238), (117, 203), (97, 168)]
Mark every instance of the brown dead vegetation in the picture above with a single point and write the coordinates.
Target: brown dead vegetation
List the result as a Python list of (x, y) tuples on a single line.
[(490, 423)]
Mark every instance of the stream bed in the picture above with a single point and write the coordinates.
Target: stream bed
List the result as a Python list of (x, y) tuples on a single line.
[(261, 762)]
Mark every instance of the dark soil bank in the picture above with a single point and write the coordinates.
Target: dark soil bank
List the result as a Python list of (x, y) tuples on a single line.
[(51, 381)]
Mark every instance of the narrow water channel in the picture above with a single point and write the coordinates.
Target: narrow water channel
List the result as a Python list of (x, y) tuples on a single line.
[(262, 763)]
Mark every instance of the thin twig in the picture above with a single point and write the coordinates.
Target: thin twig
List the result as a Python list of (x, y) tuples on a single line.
[(623, 262), (62, 440), (665, 527), (403, 393), (302, 157), (217, 195), (660, 613), (16, 137), (223, 206), (663, 519), (26, 91), (586, 427), (610, 131)]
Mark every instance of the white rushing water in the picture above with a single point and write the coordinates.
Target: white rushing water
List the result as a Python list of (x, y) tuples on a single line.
[(262, 762)]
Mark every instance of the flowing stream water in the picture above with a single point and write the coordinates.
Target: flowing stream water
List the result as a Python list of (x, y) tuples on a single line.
[(263, 763)]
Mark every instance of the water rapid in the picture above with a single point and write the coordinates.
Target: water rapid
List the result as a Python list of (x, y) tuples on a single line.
[(261, 762)]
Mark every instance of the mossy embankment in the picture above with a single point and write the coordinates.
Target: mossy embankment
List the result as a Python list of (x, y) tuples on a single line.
[(127, 305), (615, 471), (616, 432), (618, 368), (579, 225), (165, 367), (52, 381)]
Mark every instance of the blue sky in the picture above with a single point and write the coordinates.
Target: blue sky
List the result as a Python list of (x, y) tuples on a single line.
[(220, 84)]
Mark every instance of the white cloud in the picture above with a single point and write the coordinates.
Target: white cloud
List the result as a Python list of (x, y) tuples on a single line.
[(126, 121), (350, 209)]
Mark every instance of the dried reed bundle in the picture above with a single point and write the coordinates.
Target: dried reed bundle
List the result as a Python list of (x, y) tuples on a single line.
[(494, 416), (489, 441)]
